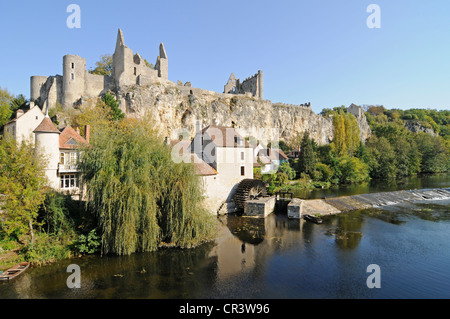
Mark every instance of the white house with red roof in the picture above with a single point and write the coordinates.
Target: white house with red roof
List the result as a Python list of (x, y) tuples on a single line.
[(22, 126), (60, 148), (222, 157)]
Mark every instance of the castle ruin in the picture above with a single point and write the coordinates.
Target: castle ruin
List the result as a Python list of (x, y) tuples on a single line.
[(252, 86), (128, 69), (77, 82)]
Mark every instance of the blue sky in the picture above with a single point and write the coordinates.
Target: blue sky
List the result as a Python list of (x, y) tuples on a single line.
[(310, 51)]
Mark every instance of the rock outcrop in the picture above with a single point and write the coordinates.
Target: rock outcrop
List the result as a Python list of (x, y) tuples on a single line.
[(176, 109)]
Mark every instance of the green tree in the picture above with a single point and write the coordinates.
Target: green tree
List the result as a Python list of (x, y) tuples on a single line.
[(435, 154), (5, 109), (22, 187), (288, 170), (307, 158), (18, 102), (104, 66), (346, 133), (353, 170), (112, 102), (324, 172), (381, 158), (5, 113), (141, 198)]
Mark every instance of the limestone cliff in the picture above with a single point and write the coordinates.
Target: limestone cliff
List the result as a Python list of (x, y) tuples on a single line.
[(176, 107)]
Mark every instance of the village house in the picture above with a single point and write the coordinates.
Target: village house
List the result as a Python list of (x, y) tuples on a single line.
[(60, 149), (222, 158), (22, 126), (268, 159)]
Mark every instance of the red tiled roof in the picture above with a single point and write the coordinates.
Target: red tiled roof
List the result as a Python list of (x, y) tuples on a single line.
[(201, 167), (47, 126), (223, 136), (70, 139)]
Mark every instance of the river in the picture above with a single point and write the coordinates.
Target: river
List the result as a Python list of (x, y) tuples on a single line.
[(278, 258)]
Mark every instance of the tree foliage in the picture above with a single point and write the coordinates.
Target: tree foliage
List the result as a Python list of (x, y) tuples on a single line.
[(104, 66), (307, 157), (346, 133), (22, 187), (113, 104), (142, 199)]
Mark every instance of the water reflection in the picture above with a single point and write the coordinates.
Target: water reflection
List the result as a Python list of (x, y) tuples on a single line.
[(273, 257)]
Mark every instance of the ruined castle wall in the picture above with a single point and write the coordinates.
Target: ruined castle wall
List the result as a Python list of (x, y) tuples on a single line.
[(36, 84), (97, 84), (251, 86), (51, 93)]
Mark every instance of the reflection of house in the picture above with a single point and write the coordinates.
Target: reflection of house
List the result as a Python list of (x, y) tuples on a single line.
[(60, 149), (221, 157), (269, 159)]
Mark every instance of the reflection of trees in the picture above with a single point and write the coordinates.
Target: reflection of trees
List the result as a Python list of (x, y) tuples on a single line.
[(347, 232), (248, 230)]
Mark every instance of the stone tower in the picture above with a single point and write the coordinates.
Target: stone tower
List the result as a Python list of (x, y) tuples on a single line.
[(36, 83), (74, 78), (162, 64)]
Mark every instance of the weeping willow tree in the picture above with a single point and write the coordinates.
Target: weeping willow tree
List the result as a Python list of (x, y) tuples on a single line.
[(142, 199)]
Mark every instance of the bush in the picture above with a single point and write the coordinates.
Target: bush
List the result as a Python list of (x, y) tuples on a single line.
[(288, 170), (47, 248), (324, 172), (353, 170), (87, 244)]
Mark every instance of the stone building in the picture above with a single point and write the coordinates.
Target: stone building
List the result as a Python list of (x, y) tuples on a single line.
[(21, 128), (221, 157), (77, 82), (252, 86)]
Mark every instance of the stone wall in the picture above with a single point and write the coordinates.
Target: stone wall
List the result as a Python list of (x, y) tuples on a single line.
[(251, 86)]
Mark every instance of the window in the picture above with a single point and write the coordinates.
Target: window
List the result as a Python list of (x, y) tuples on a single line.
[(135, 71), (242, 156), (242, 170), (73, 65), (72, 76), (73, 157), (69, 181), (61, 158)]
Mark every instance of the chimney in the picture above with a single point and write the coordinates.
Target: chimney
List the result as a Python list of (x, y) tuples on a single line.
[(87, 133), (19, 113), (198, 126)]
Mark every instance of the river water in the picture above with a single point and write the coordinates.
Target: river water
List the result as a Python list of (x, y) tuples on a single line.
[(278, 258)]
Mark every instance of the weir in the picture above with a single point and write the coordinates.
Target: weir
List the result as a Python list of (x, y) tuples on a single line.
[(299, 208)]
